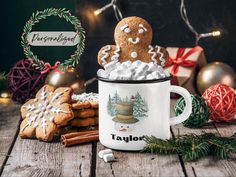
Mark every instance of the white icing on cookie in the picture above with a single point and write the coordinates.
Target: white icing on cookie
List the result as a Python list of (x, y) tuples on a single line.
[(51, 119), (134, 40), (29, 107), (153, 53), (105, 54), (134, 54), (142, 29), (56, 96), (116, 55), (124, 26), (85, 97), (57, 110), (163, 61), (41, 110), (127, 30), (36, 125), (44, 125), (43, 94)]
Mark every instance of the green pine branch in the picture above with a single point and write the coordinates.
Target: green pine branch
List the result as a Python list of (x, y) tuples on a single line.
[(193, 147)]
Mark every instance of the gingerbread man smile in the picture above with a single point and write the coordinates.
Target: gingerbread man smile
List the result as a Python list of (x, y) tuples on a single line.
[(134, 40), (133, 37)]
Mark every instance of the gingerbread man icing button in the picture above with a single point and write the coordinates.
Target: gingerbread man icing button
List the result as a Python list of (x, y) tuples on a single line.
[(133, 37)]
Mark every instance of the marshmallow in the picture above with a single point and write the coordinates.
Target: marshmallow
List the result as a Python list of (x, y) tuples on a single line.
[(108, 157), (152, 66), (114, 75), (127, 63), (137, 63), (167, 74), (137, 70), (102, 73), (156, 75), (150, 77), (103, 152), (127, 76), (141, 78), (110, 66)]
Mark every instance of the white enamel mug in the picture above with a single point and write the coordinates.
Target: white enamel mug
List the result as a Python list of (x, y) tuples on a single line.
[(128, 110)]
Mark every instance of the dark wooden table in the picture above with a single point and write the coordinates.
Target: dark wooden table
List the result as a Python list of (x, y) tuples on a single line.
[(28, 158)]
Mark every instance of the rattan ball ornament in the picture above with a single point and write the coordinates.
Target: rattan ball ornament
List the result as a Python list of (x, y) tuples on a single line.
[(24, 80), (200, 112), (221, 101)]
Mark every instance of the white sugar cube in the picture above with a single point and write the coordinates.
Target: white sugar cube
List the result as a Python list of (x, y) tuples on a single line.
[(108, 157), (103, 152)]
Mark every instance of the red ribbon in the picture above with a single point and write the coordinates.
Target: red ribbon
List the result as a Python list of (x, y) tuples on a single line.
[(181, 60), (48, 67)]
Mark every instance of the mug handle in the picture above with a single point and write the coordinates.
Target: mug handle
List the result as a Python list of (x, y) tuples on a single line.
[(188, 105)]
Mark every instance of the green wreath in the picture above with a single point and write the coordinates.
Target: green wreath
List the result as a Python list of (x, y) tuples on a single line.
[(62, 13)]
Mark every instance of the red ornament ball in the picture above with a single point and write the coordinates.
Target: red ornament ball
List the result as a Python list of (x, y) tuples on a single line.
[(24, 80), (221, 100)]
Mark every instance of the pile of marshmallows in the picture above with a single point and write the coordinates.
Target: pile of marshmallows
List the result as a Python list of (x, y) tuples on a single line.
[(137, 70)]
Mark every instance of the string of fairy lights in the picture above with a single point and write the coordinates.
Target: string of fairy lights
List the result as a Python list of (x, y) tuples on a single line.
[(115, 7), (183, 14), (198, 36)]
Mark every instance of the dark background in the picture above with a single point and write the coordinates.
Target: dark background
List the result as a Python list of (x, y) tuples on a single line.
[(163, 15)]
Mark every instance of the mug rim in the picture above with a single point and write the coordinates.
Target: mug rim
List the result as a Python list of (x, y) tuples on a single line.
[(135, 81)]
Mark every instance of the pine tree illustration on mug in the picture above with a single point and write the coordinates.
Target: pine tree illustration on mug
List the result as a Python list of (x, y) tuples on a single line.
[(111, 104), (140, 107)]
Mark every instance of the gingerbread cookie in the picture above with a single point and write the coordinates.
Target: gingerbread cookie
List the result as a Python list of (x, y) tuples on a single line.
[(96, 112), (81, 105), (42, 115), (133, 37), (90, 121), (84, 113), (94, 104), (85, 100)]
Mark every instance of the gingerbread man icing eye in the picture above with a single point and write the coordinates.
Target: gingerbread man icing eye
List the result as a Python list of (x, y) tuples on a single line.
[(142, 29), (125, 28)]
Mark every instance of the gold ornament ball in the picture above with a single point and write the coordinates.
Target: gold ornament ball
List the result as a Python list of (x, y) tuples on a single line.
[(215, 73), (70, 78)]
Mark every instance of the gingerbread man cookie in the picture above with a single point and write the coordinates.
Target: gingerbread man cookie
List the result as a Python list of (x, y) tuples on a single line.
[(133, 37), (44, 114)]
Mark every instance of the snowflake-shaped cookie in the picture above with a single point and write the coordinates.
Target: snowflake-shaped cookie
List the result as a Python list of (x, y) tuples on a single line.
[(44, 114)]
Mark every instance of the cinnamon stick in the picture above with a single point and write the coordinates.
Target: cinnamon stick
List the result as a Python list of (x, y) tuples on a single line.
[(75, 138), (75, 134)]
